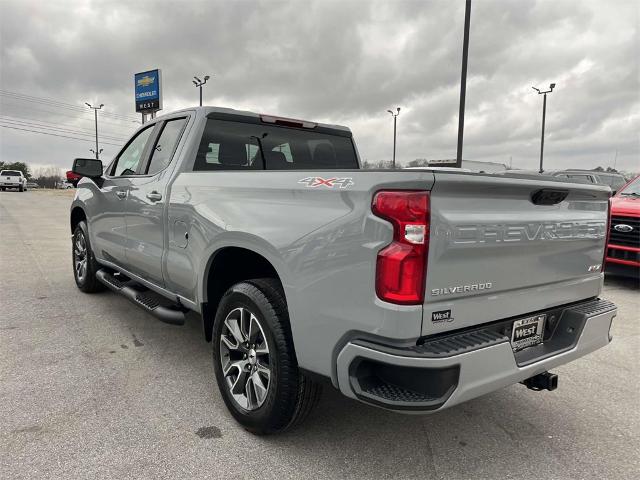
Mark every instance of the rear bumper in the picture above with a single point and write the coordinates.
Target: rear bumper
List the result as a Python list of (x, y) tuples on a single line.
[(456, 368)]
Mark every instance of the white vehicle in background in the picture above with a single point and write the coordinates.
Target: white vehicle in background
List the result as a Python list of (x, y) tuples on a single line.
[(64, 185), (13, 179)]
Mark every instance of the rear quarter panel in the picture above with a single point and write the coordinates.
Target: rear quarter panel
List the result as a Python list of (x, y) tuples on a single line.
[(322, 241)]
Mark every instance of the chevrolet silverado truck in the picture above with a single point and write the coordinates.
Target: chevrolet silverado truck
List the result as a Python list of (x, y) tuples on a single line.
[(623, 249), (13, 179), (410, 290)]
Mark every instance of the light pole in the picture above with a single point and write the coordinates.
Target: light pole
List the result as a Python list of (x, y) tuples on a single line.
[(199, 83), (544, 114), (99, 152), (463, 81), (395, 120), (95, 111)]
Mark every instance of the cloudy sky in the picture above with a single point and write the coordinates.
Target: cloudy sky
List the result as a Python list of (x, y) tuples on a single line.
[(341, 62)]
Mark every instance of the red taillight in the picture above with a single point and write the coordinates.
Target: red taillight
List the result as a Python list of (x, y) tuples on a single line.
[(401, 266)]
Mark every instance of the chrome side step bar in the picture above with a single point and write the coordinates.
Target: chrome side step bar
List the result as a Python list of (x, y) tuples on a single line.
[(167, 314)]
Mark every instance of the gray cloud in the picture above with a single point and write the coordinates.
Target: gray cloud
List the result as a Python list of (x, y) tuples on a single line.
[(342, 62)]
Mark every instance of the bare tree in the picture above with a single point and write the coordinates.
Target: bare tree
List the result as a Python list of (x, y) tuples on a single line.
[(48, 177)]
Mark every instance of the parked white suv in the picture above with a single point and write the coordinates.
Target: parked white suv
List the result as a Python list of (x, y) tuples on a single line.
[(13, 179)]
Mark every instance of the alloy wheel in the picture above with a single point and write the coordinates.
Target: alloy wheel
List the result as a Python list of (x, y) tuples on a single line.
[(80, 257), (245, 359)]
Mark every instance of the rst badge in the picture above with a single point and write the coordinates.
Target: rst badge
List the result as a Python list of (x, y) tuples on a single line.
[(315, 182)]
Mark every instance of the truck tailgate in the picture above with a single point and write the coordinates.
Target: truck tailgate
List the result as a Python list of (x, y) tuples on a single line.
[(497, 250)]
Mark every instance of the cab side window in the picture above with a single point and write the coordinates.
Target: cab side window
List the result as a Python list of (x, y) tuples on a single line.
[(130, 158), (166, 145)]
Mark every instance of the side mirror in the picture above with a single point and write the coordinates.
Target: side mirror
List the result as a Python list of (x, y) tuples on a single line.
[(87, 167)]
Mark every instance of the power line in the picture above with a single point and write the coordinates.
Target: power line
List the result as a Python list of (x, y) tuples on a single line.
[(61, 129), (58, 104), (56, 135), (40, 109), (44, 123)]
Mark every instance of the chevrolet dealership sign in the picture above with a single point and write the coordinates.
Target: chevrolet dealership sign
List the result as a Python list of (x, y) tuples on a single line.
[(148, 91)]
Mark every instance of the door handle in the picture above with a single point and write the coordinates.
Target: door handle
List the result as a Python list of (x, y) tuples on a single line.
[(121, 194), (154, 196)]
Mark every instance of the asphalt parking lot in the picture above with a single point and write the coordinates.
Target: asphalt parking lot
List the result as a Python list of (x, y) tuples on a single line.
[(92, 387)]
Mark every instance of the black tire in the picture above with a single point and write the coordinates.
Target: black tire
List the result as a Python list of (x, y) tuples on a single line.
[(290, 395), (3, 189), (87, 282), (21, 188)]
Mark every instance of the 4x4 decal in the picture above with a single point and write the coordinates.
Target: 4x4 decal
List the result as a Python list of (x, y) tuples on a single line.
[(314, 182)]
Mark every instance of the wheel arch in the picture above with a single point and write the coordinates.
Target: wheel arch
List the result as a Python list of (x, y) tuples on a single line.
[(77, 215), (227, 266)]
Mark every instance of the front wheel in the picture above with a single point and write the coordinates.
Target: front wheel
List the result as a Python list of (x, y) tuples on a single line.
[(21, 188), (254, 359), (84, 263)]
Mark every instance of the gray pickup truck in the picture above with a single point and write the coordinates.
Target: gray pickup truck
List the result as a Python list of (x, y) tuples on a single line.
[(410, 290)]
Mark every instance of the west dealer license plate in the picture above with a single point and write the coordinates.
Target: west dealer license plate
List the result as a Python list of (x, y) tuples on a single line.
[(527, 332)]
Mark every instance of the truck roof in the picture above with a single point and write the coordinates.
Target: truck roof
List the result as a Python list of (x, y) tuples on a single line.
[(207, 110)]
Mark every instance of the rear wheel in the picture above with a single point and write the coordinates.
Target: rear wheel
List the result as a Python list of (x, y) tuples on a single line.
[(254, 359), (84, 263)]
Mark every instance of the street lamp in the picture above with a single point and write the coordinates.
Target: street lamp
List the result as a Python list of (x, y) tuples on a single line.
[(544, 114), (95, 111), (395, 121), (199, 83), (96, 154)]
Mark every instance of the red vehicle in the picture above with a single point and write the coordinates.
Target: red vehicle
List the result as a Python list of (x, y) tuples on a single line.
[(623, 251), (73, 178)]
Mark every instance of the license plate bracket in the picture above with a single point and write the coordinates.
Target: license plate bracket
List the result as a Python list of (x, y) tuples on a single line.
[(527, 332)]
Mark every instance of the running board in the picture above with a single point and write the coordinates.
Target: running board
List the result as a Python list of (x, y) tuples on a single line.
[(173, 316)]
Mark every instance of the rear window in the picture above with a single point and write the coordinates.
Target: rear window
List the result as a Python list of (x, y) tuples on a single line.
[(229, 145), (614, 181), (578, 178), (10, 173)]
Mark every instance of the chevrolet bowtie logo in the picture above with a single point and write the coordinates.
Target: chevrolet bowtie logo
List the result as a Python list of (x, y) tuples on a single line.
[(146, 81)]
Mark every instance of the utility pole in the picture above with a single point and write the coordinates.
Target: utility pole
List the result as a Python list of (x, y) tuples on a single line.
[(544, 114), (199, 83), (463, 81), (395, 121), (95, 111)]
